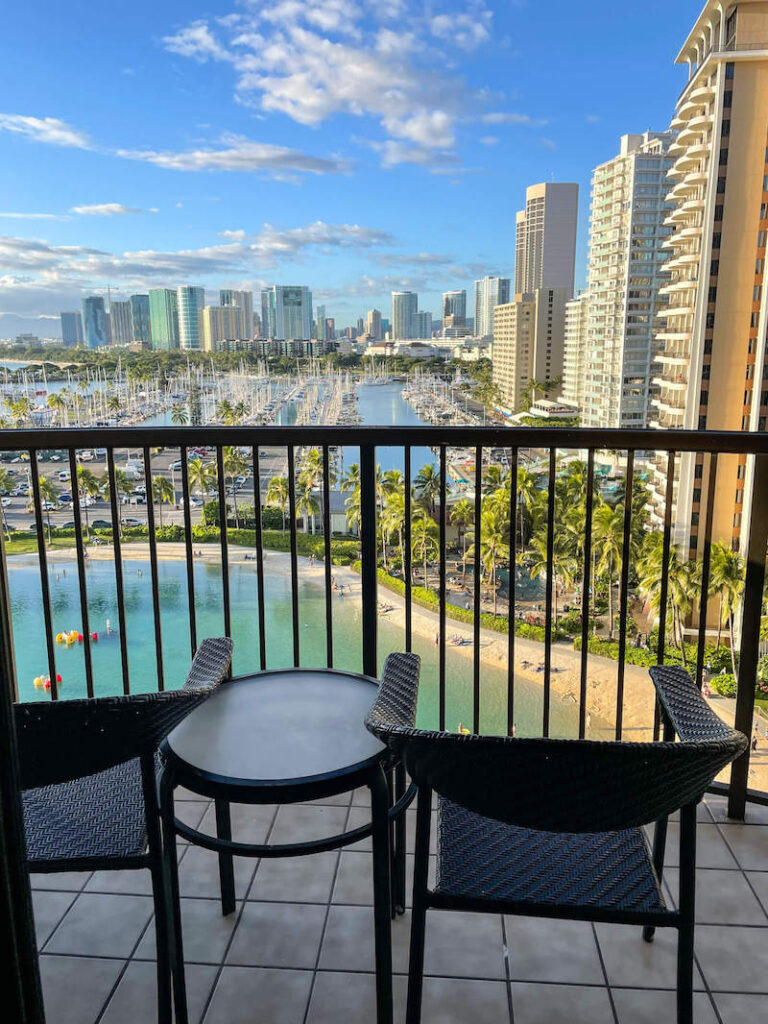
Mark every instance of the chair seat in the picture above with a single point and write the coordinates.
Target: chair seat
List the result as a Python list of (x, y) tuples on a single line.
[(98, 817), (483, 859)]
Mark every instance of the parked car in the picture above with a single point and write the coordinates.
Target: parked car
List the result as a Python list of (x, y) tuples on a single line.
[(20, 491), (101, 524), (65, 496), (176, 464), (131, 521), (48, 506), (56, 458), (63, 475), (5, 502)]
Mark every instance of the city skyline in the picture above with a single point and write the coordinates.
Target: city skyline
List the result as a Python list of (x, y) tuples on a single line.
[(231, 184)]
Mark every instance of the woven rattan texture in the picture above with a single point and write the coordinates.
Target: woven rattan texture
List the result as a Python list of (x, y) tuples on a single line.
[(95, 817), (67, 739), (559, 785), (693, 719), (484, 859)]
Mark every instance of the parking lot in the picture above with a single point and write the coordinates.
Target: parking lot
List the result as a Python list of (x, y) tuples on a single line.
[(16, 497)]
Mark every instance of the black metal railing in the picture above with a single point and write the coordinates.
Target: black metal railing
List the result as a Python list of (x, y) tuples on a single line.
[(538, 449)]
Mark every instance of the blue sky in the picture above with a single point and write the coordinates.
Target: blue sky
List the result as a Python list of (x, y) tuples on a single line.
[(355, 146)]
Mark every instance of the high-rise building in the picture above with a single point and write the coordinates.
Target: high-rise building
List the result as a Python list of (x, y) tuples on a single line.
[(320, 323), (164, 318), (287, 309), (626, 251), (330, 328), (120, 322), (95, 326), (220, 324), (528, 335), (191, 300), (404, 306), (489, 293), (373, 324), (360, 326), (72, 328), (140, 320), (575, 350), (545, 244), (422, 324), (455, 305), (257, 332), (243, 301), (712, 344)]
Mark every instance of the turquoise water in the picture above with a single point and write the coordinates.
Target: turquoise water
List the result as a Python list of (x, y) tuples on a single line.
[(31, 657)]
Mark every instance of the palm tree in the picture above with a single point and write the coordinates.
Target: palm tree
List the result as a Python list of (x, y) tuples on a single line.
[(162, 494), (123, 485), (393, 519), (235, 464), (424, 533), (201, 476), (527, 493), (224, 411), (20, 410), (727, 580), (493, 478), (179, 416), (114, 404), (307, 504), (56, 403), (50, 494), (682, 584), (87, 487), (493, 546), (427, 486), (351, 483), (6, 484), (564, 564), (608, 536), (277, 495), (462, 516)]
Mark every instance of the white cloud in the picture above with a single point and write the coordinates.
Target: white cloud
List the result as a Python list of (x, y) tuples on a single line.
[(7, 215), (509, 117), (315, 59), (235, 236), (591, 118), (109, 210), (489, 140), (465, 29), (548, 143), (45, 129), (241, 154)]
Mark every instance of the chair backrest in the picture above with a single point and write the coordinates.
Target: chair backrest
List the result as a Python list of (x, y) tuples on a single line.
[(66, 739)]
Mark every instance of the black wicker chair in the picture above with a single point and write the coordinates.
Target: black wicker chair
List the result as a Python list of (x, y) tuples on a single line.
[(88, 771), (553, 828)]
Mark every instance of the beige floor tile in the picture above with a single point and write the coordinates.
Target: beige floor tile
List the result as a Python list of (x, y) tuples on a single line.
[(560, 1004), (733, 959), (553, 951), (749, 844), (278, 935), (135, 999), (738, 1008), (295, 879), (631, 962), (75, 987), (246, 994), (205, 933), (645, 1006), (351, 998), (49, 908), (722, 897), (458, 1001), (101, 925)]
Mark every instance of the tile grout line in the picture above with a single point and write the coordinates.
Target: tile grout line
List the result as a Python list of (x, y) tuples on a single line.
[(327, 915), (225, 953), (607, 985), (507, 971)]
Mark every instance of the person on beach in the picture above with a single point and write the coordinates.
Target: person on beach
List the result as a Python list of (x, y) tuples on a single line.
[(754, 742)]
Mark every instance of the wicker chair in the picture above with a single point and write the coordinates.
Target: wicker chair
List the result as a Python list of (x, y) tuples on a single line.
[(553, 828), (88, 771)]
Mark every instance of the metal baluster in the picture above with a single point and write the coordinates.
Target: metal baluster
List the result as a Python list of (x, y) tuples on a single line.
[(705, 569), (368, 551), (154, 571), (441, 587), (259, 558), (328, 556), (477, 593), (511, 594), (749, 651), (43, 559), (548, 589), (186, 496), (223, 539), (118, 558), (663, 597), (80, 549), (585, 591), (407, 569), (294, 556), (624, 591)]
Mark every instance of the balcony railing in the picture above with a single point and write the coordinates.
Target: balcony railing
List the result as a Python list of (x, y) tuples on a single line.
[(545, 522)]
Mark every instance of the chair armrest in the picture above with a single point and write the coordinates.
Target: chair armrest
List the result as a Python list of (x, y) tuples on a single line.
[(688, 712), (211, 665), (395, 704)]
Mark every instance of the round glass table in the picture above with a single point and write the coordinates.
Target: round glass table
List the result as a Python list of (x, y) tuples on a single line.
[(284, 736)]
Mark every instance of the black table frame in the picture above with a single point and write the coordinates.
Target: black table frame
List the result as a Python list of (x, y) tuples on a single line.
[(384, 778)]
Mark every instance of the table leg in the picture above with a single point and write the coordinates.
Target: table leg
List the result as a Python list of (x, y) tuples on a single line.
[(171, 868), (226, 863), (400, 861), (382, 900)]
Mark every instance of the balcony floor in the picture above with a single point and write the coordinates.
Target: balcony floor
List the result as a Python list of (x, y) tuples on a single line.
[(299, 948)]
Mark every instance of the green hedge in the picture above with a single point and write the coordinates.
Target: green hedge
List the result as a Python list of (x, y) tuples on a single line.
[(724, 684)]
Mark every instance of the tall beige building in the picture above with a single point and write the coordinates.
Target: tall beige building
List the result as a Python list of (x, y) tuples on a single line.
[(713, 336), (626, 250), (528, 338), (545, 241), (220, 324), (373, 324)]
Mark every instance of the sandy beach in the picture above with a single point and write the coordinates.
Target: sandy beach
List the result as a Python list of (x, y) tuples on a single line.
[(638, 699)]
